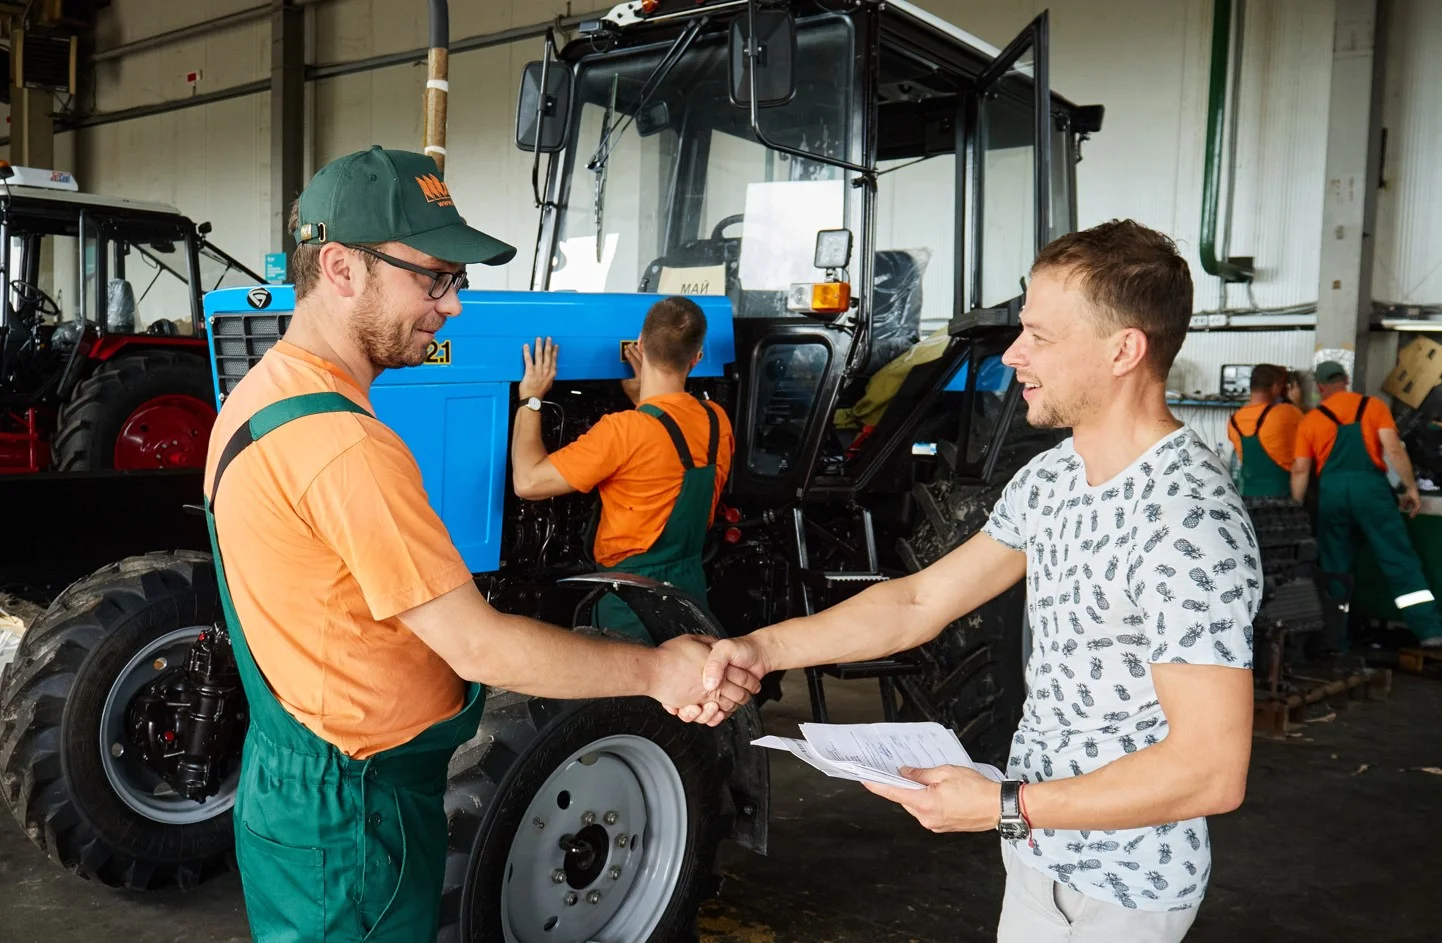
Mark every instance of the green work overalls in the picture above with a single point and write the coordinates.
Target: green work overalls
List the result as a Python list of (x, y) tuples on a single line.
[(675, 557), (1262, 477), (332, 848), (1353, 494)]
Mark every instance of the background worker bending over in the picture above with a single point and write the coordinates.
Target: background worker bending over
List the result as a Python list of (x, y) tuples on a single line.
[(1264, 434), (1348, 436), (659, 469)]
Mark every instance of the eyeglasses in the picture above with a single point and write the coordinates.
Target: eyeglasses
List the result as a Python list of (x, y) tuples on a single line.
[(441, 282)]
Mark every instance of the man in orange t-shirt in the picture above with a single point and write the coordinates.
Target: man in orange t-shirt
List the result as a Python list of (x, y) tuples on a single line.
[(1264, 434), (659, 469), (1352, 439), (360, 636)]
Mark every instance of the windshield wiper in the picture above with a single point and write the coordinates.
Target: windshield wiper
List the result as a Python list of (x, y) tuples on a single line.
[(611, 136)]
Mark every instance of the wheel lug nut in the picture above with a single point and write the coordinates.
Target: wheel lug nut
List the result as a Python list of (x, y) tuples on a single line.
[(622, 841), (571, 899), (594, 897), (611, 818), (616, 873), (558, 876), (117, 750), (588, 818), (160, 664)]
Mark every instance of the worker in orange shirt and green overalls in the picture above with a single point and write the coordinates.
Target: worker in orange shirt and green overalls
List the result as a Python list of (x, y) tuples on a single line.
[(1352, 438), (1264, 434), (659, 468)]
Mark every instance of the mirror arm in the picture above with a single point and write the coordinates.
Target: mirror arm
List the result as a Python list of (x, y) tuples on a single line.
[(540, 117)]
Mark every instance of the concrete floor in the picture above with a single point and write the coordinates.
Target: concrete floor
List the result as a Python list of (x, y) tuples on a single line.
[(1339, 839)]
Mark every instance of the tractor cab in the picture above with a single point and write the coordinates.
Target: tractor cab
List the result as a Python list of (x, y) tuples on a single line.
[(110, 288), (854, 177)]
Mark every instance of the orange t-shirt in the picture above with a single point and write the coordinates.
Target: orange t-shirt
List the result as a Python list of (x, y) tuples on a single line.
[(1317, 433), (1278, 435), (327, 535), (633, 462)]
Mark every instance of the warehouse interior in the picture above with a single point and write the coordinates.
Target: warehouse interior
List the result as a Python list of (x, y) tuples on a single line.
[(155, 151)]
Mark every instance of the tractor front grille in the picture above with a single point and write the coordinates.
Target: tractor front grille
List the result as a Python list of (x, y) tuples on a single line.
[(241, 339)]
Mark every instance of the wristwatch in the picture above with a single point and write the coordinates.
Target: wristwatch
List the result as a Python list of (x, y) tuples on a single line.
[(1013, 824), (533, 403)]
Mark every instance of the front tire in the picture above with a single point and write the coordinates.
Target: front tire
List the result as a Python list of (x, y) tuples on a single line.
[(95, 812), (638, 793)]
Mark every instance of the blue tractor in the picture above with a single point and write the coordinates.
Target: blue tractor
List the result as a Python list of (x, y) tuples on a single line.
[(853, 192)]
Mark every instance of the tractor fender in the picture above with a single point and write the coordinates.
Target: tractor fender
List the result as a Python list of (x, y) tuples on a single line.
[(667, 612)]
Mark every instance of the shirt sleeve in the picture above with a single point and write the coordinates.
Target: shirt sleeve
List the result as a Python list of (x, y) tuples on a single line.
[(1007, 524), (1199, 582), (1378, 416), (1306, 445), (369, 506), (593, 457)]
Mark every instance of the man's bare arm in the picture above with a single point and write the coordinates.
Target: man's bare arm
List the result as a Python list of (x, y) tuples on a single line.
[(1301, 476), (530, 657), (533, 475), (1200, 768), (898, 614)]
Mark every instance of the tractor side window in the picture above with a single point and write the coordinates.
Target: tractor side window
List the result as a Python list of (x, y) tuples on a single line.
[(60, 276), (1007, 158), (147, 279), (789, 375), (915, 278)]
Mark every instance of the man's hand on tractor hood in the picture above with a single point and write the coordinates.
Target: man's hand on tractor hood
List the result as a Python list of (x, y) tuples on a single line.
[(540, 369)]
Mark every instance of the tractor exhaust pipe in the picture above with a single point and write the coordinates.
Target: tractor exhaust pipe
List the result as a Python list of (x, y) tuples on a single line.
[(437, 85)]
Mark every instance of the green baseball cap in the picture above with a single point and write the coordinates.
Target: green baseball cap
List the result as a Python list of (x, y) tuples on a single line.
[(379, 195), (1330, 371)]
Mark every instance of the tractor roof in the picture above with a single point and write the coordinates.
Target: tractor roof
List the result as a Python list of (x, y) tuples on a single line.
[(85, 199)]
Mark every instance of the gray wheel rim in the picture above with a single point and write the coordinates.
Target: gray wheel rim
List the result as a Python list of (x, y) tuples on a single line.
[(633, 794), (136, 785)]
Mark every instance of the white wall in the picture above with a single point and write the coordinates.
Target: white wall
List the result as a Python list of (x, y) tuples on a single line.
[(1146, 60)]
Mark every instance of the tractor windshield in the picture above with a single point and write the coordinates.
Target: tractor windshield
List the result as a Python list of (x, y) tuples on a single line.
[(688, 200)]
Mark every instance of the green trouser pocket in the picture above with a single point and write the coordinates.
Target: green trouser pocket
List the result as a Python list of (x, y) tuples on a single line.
[(291, 904)]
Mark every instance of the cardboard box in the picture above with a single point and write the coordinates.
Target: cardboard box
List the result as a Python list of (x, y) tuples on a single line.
[(1419, 368)]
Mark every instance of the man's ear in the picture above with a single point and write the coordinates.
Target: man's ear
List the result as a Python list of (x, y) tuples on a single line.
[(1130, 351), (697, 359), (341, 269)]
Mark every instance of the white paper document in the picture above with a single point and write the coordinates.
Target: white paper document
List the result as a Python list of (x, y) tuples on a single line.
[(875, 753)]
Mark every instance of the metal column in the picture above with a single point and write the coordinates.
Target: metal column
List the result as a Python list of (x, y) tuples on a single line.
[(287, 118), (1349, 212)]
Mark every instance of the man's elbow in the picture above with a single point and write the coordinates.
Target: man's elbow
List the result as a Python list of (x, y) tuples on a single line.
[(1228, 795), (526, 486)]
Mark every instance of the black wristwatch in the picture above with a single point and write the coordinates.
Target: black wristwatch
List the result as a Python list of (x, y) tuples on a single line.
[(1012, 824)]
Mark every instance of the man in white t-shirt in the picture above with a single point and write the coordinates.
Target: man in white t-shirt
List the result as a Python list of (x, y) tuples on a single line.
[(1142, 578)]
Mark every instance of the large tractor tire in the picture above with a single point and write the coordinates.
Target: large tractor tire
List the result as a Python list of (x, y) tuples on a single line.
[(634, 796), (972, 673), (147, 410), (67, 769)]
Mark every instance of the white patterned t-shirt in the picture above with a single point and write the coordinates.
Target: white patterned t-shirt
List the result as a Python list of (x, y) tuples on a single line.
[(1159, 564)]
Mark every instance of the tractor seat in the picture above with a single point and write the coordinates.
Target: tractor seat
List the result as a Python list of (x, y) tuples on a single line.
[(120, 307)]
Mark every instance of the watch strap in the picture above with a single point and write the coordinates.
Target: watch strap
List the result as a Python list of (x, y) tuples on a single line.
[(1010, 800)]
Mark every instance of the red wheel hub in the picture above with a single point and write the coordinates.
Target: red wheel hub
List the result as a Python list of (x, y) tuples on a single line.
[(165, 432)]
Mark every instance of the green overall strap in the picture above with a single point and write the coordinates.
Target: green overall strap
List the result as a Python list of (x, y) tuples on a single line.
[(263, 705), (1349, 455), (1262, 477)]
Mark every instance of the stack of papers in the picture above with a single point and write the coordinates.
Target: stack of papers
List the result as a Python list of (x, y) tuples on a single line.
[(875, 753)]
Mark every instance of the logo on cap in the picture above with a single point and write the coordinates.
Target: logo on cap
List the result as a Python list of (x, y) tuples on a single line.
[(435, 189)]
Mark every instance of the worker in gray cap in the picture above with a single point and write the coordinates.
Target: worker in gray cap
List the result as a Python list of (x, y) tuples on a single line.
[(1351, 439)]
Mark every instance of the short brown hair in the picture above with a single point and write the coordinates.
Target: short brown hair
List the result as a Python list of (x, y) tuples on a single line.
[(1267, 375), (305, 260), (1131, 276), (673, 333)]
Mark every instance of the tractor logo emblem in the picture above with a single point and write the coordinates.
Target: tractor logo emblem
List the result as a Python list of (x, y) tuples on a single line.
[(435, 190), (258, 297)]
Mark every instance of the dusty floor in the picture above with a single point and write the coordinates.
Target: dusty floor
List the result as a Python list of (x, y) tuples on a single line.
[(1340, 839)]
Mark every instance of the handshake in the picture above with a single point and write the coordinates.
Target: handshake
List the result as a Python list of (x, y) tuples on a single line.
[(703, 680)]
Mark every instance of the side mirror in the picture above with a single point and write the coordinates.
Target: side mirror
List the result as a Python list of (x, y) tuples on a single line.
[(543, 113), (205, 228), (772, 49)]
